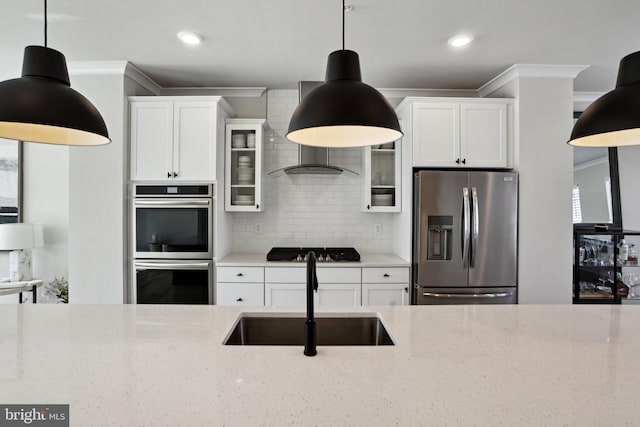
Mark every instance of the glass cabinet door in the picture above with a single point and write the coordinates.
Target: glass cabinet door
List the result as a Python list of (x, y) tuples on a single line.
[(244, 165), (382, 178)]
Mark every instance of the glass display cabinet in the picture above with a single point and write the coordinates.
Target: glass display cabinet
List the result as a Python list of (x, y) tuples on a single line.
[(605, 266)]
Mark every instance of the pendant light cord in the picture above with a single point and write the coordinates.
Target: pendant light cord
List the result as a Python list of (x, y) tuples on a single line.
[(45, 23), (343, 13)]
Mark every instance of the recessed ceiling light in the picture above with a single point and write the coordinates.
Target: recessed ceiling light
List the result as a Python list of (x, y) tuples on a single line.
[(189, 38), (460, 40)]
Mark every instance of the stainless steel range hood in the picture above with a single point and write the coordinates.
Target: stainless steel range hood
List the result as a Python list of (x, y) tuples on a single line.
[(312, 160)]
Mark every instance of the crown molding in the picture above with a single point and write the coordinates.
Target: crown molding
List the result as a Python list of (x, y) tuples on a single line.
[(408, 92), (113, 68), (102, 68), (581, 100), (530, 70), (135, 74), (85, 68), (231, 92)]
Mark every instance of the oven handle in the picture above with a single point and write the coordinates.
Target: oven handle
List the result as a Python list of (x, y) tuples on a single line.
[(150, 265), (173, 203)]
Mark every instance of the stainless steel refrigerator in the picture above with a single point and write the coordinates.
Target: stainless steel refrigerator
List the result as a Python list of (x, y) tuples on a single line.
[(465, 237)]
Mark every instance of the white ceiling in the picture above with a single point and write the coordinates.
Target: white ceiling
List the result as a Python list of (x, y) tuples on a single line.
[(276, 43)]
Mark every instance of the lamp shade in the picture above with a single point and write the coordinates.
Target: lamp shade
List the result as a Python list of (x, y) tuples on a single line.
[(613, 119), (344, 111), (41, 106), (16, 236)]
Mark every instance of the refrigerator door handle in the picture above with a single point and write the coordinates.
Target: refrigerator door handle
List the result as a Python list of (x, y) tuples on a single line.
[(466, 219), (475, 229)]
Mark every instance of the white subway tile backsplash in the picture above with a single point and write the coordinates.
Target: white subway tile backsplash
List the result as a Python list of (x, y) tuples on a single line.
[(308, 210)]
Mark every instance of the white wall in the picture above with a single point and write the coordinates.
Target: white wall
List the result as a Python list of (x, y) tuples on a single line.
[(98, 197), (628, 161), (543, 118), (308, 210)]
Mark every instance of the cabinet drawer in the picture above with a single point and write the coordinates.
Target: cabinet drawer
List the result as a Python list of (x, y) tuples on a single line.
[(240, 274), (339, 275), (385, 275), (299, 275), (240, 294), (285, 274)]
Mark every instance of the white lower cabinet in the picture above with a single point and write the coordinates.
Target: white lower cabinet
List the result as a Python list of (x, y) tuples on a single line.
[(338, 295), (338, 286), (240, 294), (385, 294), (385, 286), (285, 294)]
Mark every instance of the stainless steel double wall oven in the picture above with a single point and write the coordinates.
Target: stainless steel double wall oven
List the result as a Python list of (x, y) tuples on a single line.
[(172, 244)]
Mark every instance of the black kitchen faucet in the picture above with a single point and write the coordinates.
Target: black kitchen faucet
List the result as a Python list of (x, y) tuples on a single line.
[(310, 324)]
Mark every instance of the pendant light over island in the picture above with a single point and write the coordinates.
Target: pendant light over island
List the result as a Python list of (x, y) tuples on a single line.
[(344, 111)]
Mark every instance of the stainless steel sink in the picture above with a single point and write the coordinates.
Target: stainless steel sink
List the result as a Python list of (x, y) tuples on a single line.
[(288, 329)]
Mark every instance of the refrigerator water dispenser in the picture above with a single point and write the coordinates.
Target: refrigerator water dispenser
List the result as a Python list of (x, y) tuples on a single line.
[(440, 235)]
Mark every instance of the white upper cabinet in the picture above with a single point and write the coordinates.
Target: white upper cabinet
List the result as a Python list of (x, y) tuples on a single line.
[(436, 134), (483, 134), (459, 132), (174, 138), (151, 140)]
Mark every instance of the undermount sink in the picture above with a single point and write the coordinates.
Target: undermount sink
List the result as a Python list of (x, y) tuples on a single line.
[(347, 329)]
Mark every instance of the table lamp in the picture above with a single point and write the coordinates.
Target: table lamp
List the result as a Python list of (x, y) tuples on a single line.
[(16, 238)]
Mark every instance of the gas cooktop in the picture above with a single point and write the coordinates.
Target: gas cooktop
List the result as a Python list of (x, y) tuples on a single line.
[(322, 254)]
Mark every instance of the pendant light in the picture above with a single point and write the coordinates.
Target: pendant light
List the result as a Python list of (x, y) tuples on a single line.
[(613, 119), (40, 106), (344, 112)]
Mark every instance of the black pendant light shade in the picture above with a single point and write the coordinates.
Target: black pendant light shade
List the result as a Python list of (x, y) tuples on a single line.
[(41, 106), (344, 112), (613, 119)]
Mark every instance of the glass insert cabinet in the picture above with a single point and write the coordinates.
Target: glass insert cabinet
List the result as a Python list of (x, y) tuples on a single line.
[(605, 266)]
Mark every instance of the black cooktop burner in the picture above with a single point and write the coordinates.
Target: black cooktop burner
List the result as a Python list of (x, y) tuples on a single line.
[(322, 254)]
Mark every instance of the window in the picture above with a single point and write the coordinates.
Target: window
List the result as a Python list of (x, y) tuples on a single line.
[(577, 209)]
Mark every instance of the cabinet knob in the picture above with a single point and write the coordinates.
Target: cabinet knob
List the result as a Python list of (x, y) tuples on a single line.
[(406, 290), (385, 275), (257, 206), (368, 207), (239, 274), (458, 161), (239, 300), (175, 174), (464, 161), (168, 174)]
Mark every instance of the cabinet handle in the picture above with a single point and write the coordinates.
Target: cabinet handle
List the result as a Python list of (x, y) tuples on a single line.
[(464, 161), (368, 207), (239, 274), (239, 300), (175, 174), (257, 206), (406, 290), (385, 275), (458, 161), (168, 174)]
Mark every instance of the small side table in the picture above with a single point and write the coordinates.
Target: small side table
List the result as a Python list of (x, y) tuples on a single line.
[(8, 288)]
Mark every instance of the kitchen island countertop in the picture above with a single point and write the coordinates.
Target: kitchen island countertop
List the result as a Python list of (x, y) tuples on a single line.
[(452, 365)]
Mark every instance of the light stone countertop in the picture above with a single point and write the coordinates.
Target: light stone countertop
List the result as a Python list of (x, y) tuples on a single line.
[(260, 259), (453, 365)]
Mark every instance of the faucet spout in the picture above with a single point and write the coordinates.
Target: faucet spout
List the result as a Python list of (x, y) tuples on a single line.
[(310, 323)]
